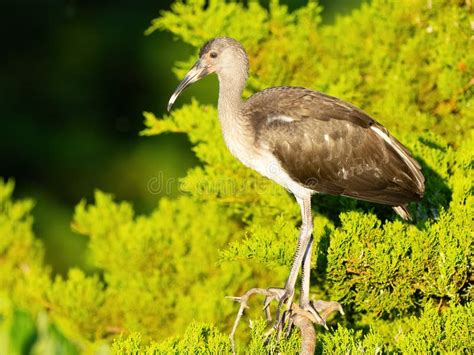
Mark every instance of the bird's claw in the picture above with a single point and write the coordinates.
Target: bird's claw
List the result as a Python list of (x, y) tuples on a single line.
[(315, 311), (283, 296), (325, 308), (273, 293), (319, 311), (270, 295)]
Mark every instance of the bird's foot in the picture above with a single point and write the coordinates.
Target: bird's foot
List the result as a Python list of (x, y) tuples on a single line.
[(315, 312), (304, 316), (311, 312), (319, 311), (283, 296)]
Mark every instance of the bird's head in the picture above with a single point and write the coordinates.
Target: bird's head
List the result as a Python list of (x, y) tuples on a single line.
[(219, 55)]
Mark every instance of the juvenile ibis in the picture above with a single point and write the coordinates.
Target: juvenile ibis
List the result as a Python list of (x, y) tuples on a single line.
[(308, 142)]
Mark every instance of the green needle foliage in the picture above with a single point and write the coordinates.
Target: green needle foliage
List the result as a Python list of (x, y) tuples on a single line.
[(162, 279)]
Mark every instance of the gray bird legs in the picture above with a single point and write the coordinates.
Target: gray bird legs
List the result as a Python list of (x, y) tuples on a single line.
[(316, 311)]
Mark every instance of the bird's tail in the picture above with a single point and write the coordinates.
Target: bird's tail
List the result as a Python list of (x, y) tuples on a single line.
[(402, 211)]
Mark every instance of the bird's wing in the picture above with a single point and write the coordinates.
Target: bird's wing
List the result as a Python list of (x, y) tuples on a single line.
[(332, 147)]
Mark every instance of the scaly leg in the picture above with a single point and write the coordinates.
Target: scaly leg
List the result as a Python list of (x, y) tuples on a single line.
[(301, 248), (283, 295), (306, 270), (315, 311), (319, 310)]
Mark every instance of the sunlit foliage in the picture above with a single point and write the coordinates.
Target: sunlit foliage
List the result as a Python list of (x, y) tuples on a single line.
[(162, 279)]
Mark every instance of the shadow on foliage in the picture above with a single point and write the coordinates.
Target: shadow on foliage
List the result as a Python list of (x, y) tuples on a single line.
[(319, 273), (437, 196)]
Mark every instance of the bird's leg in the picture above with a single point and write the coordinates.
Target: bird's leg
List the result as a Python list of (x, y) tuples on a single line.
[(283, 295), (305, 277), (315, 311), (319, 310), (305, 284), (303, 241)]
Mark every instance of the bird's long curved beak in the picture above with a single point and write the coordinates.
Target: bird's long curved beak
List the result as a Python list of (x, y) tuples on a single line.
[(197, 72)]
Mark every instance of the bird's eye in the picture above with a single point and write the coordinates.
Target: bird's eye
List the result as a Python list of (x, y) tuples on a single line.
[(213, 55)]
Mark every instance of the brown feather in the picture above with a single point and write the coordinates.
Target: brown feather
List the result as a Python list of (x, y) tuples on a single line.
[(327, 145)]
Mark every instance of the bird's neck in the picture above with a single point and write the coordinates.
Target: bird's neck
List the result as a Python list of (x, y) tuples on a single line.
[(230, 100), (235, 127)]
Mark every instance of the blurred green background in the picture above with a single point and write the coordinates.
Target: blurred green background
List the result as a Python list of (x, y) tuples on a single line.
[(75, 77)]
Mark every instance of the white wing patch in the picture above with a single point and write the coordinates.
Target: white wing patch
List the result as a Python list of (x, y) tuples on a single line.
[(281, 118), (406, 158)]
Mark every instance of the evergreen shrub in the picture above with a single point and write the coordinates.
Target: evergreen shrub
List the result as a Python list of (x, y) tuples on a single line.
[(162, 278)]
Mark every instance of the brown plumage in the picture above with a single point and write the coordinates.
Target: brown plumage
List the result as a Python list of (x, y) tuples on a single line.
[(330, 146)]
